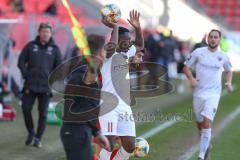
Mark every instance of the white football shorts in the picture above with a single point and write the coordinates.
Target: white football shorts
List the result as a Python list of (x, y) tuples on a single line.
[(118, 122), (205, 107)]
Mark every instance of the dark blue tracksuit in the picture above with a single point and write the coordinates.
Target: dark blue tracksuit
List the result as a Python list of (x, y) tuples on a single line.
[(76, 133), (36, 62)]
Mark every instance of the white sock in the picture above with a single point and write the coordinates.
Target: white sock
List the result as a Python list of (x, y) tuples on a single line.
[(104, 154), (120, 155), (204, 142)]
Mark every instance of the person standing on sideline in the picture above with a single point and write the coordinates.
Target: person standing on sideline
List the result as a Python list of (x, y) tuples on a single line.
[(36, 61), (208, 63)]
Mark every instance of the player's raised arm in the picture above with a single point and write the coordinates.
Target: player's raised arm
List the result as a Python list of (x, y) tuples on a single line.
[(112, 44), (135, 22)]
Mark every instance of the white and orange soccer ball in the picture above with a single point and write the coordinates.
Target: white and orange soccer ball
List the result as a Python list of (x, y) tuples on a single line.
[(142, 148), (112, 11)]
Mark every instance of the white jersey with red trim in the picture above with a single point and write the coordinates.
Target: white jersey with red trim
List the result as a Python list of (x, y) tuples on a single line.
[(115, 80)]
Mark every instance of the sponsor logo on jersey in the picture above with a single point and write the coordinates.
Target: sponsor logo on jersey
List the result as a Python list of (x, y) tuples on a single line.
[(219, 58), (49, 50), (35, 48)]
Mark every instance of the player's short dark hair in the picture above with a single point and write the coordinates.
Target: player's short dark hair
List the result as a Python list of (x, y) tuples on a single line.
[(44, 25), (123, 30), (216, 30), (95, 42)]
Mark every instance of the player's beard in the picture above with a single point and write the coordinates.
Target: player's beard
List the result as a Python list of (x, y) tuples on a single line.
[(212, 46)]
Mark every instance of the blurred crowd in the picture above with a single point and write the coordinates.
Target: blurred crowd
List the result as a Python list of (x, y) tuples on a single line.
[(17, 6), (164, 48)]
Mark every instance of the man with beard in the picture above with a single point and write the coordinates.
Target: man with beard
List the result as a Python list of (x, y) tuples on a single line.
[(208, 63), (36, 61)]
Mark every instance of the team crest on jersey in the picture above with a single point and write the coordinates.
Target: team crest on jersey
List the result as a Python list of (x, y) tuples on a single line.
[(49, 50), (35, 48), (219, 58)]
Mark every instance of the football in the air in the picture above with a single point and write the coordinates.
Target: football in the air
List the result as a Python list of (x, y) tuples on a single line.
[(111, 11)]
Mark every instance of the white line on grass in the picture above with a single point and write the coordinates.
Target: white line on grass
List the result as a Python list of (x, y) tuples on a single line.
[(224, 123), (168, 124), (158, 129)]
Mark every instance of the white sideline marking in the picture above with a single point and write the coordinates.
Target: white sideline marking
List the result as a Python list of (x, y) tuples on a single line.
[(158, 129), (167, 124)]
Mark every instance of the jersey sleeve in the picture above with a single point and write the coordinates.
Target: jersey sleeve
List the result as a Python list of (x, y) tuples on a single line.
[(132, 51), (227, 64), (192, 59)]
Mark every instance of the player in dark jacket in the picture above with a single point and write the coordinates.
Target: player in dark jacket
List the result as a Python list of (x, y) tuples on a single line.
[(36, 61), (82, 106)]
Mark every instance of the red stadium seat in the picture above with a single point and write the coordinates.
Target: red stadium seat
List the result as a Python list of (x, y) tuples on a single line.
[(21, 37), (229, 12), (4, 7), (230, 20), (44, 4), (215, 11), (222, 3), (233, 20), (31, 6), (237, 20), (228, 9), (222, 10), (231, 3), (210, 11), (202, 2), (36, 6), (237, 12), (211, 3), (62, 10), (44, 18), (237, 27)]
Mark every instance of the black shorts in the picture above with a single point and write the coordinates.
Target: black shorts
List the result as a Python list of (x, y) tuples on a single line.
[(77, 141)]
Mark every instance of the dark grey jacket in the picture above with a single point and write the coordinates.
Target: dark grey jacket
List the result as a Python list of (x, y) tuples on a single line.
[(36, 62), (82, 104)]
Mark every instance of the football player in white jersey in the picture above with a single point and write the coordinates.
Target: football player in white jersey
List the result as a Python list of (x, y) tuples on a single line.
[(115, 79), (209, 63)]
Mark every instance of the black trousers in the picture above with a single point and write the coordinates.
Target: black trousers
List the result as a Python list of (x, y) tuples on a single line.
[(28, 100), (76, 141)]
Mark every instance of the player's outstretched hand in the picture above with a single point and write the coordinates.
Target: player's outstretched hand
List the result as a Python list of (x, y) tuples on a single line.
[(229, 87), (134, 19), (103, 142), (107, 22)]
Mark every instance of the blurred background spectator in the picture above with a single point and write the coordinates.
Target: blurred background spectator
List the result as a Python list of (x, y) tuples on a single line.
[(203, 43), (52, 8), (16, 5)]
